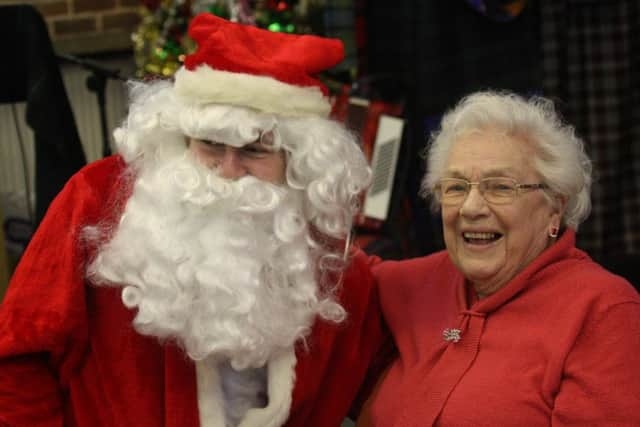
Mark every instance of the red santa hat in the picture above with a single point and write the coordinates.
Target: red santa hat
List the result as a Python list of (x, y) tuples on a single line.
[(250, 67)]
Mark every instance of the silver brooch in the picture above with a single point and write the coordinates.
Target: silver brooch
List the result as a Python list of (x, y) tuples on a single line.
[(451, 335)]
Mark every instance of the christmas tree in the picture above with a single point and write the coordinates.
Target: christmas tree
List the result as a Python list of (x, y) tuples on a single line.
[(161, 41)]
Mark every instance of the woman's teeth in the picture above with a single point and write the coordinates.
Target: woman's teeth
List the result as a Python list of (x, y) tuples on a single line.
[(480, 237)]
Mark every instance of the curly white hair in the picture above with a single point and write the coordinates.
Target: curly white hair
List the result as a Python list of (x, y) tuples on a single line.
[(324, 159), (560, 157)]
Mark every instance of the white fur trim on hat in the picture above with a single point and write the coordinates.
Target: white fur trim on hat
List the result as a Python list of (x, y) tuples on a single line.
[(205, 85)]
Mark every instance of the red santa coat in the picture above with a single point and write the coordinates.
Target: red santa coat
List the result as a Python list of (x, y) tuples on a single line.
[(558, 345), (70, 356)]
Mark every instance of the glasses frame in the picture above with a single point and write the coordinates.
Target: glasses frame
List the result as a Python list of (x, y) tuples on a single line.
[(519, 188)]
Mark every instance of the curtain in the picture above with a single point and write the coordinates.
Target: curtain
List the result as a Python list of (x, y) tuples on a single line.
[(591, 66)]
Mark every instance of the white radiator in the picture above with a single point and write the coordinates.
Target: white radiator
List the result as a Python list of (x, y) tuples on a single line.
[(84, 103)]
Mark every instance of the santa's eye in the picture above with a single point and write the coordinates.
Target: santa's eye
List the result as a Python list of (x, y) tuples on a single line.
[(211, 144), (256, 149)]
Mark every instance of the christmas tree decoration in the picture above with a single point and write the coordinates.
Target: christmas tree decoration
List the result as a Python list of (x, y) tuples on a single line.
[(161, 42)]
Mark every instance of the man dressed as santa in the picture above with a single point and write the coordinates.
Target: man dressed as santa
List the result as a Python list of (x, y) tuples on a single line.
[(200, 276)]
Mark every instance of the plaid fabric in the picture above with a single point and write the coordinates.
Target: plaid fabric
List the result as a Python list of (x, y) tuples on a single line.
[(591, 65)]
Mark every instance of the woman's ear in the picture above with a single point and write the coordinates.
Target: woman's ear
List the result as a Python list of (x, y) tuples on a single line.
[(559, 207), (561, 204)]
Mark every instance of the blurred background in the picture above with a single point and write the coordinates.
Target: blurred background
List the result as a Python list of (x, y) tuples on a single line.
[(66, 63)]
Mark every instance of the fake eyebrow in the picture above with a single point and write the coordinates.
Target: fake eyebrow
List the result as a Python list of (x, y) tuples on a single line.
[(259, 146)]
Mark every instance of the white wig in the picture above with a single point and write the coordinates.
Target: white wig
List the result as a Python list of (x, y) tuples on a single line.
[(272, 235), (560, 157), (324, 160)]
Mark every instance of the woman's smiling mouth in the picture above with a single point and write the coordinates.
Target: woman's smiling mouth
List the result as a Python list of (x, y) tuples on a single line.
[(480, 238)]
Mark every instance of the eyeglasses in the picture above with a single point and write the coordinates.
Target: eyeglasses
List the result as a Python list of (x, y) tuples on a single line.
[(497, 191)]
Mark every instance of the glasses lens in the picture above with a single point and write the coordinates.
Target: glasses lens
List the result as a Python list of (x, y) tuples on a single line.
[(453, 190), (499, 190)]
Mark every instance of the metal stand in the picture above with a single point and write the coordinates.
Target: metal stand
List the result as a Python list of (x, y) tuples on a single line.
[(97, 83)]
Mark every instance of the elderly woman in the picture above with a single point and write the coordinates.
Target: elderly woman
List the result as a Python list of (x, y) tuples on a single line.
[(512, 325)]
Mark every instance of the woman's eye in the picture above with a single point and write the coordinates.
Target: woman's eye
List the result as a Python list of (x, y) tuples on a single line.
[(500, 186), (455, 188)]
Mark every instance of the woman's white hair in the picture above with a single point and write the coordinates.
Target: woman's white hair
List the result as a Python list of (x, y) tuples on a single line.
[(560, 158)]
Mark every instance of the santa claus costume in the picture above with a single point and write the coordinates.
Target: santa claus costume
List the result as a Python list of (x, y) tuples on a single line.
[(157, 293)]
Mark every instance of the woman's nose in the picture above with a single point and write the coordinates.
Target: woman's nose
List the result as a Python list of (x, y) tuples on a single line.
[(474, 204)]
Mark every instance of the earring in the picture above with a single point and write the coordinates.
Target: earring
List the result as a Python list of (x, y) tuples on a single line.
[(553, 233)]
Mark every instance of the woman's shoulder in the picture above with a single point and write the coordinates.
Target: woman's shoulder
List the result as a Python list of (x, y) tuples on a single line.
[(425, 266), (425, 261), (592, 281)]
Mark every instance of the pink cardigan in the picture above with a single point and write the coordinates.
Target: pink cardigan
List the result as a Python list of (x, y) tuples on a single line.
[(558, 345)]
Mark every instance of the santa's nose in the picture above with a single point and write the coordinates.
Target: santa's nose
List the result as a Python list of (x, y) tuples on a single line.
[(230, 165)]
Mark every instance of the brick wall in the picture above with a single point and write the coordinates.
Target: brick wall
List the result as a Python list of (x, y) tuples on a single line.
[(88, 26)]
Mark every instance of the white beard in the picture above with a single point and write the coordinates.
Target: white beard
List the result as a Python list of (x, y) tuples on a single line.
[(224, 268)]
